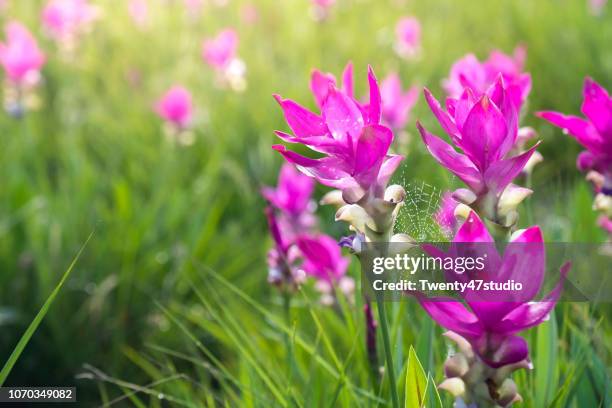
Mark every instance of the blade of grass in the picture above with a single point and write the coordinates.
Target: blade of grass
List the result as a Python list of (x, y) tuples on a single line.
[(27, 335)]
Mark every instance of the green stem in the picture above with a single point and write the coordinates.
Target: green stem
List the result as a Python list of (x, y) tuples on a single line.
[(382, 316)]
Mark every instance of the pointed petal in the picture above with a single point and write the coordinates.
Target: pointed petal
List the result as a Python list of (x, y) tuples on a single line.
[(371, 150), (342, 116), (597, 106), (473, 230), (501, 173), (451, 314), (456, 162), (583, 131), (319, 85), (374, 106), (483, 133), (445, 120), (531, 314), (509, 351), (347, 79), (301, 121), (388, 167)]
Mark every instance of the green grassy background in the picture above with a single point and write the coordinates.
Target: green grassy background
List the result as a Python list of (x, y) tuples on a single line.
[(172, 288)]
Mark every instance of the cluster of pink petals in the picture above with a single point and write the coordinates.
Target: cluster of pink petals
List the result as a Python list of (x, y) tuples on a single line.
[(292, 198), (492, 320), (408, 36), (594, 133), (485, 128), (291, 221), (19, 54), (397, 104), (469, 72), (348, 133), (176, 106), (219, 51), (66, 18)]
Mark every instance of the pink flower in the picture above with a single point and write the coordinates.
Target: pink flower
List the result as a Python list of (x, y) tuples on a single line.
[(479, 76), (605, 223), (347, 132), (596, 7), (485, 128), (64, 19), (20, 55), (139, 12), (323, 3), (176, 106), (445, 216), (408, 37), (494, 318), (322, 256), (219, 51), (594, 133), (396, 104)]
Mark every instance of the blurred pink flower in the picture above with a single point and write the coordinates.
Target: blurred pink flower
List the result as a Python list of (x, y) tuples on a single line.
[(396, 104), (249, 13), (594, 133), (596, 7), (176, 106), (218, 52), (408, 37), (19, 55), (605, 223), (65, 19), (322, 256), (468, 72), (139, 12)]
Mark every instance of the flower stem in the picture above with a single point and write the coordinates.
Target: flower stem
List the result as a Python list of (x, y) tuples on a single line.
[(382, 317)]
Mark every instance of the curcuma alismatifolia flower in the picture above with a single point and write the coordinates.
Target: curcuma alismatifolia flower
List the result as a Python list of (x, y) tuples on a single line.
[(485, 128), (176, 108), (22, 60), (220, 53), (408, 37), (350, 136), (486, 326), (468, 72), (66, 20), (594, 133)]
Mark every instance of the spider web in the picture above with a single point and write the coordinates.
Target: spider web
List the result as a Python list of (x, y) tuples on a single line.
[(416, 217)]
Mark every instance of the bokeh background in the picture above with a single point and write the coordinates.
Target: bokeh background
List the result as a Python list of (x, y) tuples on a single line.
[(171, 293)]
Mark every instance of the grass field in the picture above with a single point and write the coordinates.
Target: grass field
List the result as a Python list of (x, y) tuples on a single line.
[(168, 305)]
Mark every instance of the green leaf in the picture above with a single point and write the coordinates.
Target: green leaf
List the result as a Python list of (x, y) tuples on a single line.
[(416, 382), (546, 361), (432, 396), (25, 338)]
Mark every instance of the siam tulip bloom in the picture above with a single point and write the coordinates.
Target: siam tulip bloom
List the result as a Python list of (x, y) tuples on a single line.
[(486, 327), (176, 108), (22, 60), (65, 20), (293, 199), (594, 133), (408, 37), (468, 72), (350, 135), (220, 53), (139, 12), (396, 104), (283, 257), (485, 129), (20, 56)]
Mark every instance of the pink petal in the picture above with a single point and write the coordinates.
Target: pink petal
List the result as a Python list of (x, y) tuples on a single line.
[(347, 79), (301, 121), (447, 123), (319, 85), (457, 163), (597, 106), (371, 150), (584, 132), (473, 230), (451, 314), (374, 107), (342, 116), (501, 173)]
